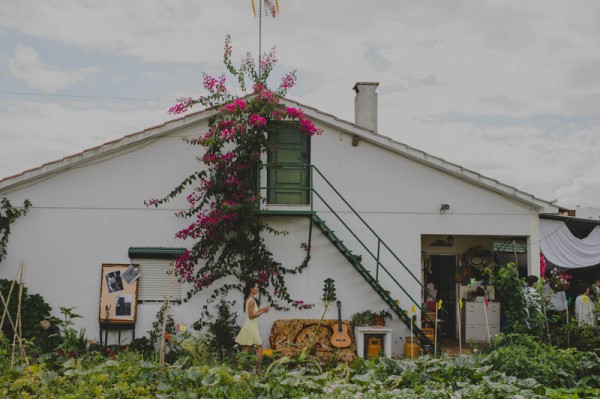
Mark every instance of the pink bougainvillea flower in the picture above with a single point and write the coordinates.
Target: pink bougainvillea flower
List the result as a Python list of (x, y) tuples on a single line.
[(257, 120)]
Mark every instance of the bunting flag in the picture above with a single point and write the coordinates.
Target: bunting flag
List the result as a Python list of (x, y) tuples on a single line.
[(440, 305), (585, 298), (460, 303), (414, 309), (486, 300)]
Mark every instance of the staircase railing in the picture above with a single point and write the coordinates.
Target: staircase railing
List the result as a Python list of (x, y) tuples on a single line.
[(381, 244)]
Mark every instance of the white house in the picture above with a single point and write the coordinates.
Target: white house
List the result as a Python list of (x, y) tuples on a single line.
[(422, 212)]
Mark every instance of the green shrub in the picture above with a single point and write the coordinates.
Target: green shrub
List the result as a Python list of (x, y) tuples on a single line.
[(524, 356), (34, 310), (221, 331)]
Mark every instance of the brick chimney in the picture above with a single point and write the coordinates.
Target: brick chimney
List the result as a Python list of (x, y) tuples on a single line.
[(365, 105)]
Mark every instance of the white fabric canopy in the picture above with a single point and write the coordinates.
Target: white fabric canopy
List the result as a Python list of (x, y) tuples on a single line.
[(564, 249)]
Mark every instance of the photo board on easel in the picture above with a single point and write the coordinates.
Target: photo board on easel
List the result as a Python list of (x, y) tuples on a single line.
[(118, 293)]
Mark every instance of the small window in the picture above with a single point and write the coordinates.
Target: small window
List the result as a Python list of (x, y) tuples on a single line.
[(155, 280)]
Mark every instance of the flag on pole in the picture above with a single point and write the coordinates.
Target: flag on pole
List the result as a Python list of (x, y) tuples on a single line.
[(271, 7), (414, 309), (460, 303), (486, 300), (440, 305), (585, 298)]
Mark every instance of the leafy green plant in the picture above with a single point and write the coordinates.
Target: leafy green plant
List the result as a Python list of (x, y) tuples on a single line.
[(362, 318), (72, 342), (523, 311), (223, 330), (526, 356), (156, 333), (128, 375), (367, 317)]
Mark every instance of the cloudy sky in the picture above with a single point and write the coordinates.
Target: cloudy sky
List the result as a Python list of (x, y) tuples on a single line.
[(510, 89)]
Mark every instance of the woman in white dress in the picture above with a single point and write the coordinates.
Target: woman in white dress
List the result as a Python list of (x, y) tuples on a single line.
[(249, 335), (584, 307)]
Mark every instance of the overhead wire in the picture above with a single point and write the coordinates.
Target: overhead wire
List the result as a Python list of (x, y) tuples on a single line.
[(78, 96)]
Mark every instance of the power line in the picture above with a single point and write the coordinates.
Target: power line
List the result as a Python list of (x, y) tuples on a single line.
[(77, 96)]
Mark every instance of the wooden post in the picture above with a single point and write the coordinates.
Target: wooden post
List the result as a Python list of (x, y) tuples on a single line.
[(164, 321), (5, 302), (17, 328), (460, 305)]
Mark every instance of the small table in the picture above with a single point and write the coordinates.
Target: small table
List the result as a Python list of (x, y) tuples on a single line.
[(107, 325)]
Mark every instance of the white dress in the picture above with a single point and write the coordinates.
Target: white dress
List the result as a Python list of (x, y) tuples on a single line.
[(249, 334), (584, 311)]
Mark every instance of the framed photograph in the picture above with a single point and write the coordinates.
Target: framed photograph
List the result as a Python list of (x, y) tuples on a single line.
[(118, 293), (114, 281), (123, 306), (130, 274)]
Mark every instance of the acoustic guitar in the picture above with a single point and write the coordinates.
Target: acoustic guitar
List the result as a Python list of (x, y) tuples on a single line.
[(340, 337)]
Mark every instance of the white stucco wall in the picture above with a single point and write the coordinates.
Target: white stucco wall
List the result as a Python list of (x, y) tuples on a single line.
[(91, 214)]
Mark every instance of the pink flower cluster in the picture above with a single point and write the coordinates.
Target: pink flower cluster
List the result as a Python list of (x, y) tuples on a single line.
[(181, 107), (214, 84), (151, 202), (288, 81), (185, 266), (306, 125), (237, 105), (257, 121), (267, 61), (302, 305)]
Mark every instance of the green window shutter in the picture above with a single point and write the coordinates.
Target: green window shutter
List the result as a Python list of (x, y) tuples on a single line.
[(289, 183)]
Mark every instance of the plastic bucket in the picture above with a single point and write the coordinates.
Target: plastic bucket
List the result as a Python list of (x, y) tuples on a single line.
[(373, 347), (411, 350)]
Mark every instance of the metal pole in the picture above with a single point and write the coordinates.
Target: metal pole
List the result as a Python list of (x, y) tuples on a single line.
[(377, 268), (259, 35)]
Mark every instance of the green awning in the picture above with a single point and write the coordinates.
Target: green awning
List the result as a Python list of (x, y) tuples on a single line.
[(155, 253)]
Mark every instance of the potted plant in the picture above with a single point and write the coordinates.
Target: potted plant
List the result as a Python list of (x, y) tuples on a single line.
[(379, 317), (370, 318), (363, 318)]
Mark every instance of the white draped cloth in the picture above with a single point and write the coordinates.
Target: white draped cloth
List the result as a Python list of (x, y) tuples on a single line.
[(564, 249)]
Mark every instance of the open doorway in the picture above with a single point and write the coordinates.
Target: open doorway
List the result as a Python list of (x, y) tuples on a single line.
[(442, 275)]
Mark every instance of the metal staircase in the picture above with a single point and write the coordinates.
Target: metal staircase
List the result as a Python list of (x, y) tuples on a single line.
[(355, 261), (375, 255)]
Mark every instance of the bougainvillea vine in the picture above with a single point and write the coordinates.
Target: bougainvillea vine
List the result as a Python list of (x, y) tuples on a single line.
[(223, 203)]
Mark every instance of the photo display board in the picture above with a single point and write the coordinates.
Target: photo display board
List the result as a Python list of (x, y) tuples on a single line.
[(118, 293)]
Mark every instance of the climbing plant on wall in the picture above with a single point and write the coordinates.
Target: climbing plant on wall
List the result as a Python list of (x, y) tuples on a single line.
[(8, 214), (225, 224)]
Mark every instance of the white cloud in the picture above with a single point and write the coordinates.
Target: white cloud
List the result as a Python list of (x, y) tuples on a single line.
[(472, 81), (34, 133), (27, 66)]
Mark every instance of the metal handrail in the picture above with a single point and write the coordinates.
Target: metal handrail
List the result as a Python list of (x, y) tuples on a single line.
[(379, 240)]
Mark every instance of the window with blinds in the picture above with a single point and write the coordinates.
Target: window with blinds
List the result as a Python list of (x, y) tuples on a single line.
[(155, 282)]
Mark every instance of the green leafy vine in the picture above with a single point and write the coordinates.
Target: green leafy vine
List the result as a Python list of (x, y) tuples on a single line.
[(8, 214)]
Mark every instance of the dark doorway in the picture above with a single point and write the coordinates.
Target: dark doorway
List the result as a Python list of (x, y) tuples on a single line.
[(443, 270)]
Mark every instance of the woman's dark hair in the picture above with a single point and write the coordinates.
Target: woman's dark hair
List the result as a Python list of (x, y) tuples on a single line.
[(249, 285), (531, 280), (582, 288)]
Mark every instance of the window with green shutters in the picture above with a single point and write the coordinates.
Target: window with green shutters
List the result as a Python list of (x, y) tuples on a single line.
[(290, 180)]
